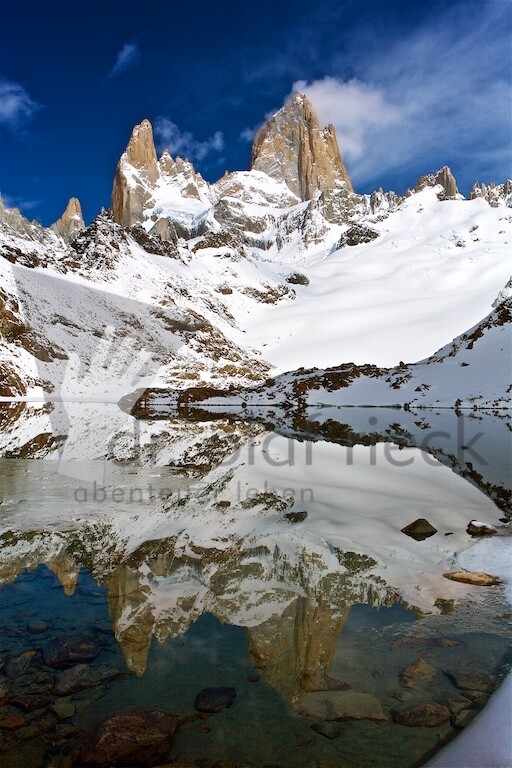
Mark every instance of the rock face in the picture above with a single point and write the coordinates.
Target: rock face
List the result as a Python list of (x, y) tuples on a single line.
[(292, 148), (71, 222)]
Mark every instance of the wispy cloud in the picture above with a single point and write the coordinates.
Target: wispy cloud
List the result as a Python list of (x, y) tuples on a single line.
[(24, 205), (183, 143), (248, 134), (128, 57), (17, 108)]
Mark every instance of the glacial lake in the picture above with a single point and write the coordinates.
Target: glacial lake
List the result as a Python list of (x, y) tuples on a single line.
[(148, 560)]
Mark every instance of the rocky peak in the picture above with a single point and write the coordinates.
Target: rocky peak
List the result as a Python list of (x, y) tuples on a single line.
[(140, 151), (136, 173), (191, 182), (71, 222), (445, 178), (292, 148)]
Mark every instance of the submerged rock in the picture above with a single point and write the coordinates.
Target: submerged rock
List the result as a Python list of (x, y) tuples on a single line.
[(214, 699), (418, 672), (312, 683), (328, 728), (141, 738), (342, 705), (84, 676), (64, 652), (427, 715)]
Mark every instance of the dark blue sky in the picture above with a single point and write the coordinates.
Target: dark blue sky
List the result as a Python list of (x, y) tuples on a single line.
[(410, 86)]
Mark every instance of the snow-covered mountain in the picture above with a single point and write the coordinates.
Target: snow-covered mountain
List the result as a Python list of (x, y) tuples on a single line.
[(187, 283)]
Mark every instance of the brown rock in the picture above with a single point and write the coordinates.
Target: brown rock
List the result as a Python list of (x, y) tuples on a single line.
[(141, 738), (342, 705), (476, 578), (292, 148), (427, 715), (418, 672), (480, 529), (419, 530)]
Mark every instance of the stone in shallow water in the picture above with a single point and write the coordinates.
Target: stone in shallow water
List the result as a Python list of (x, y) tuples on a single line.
[(63, 708), (214, 699), (329, 728), (476, 578), (342, 705), (419, 530), (427, 715), (463, 718), (38, 627), (84, 676), (64, 652), (312, 683), (18, 665), (11, 718), (418, 672), (470, 680), (141, 738), (415, 641), (29, 702)]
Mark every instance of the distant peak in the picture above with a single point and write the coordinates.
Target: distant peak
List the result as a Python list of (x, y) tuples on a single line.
[(71, 222), (443, 177)]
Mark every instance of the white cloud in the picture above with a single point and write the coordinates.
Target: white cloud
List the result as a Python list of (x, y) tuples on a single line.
[(355, 109), (128, 56), (183, 143), (16, 106)]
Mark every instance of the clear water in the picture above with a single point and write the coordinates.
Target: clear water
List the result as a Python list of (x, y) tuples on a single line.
[(180, 591)]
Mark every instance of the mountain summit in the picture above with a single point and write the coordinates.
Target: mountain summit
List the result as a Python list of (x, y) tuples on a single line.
[(292, 147)]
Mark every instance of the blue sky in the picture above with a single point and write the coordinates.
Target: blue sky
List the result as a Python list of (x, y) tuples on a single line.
[(410, 86)]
